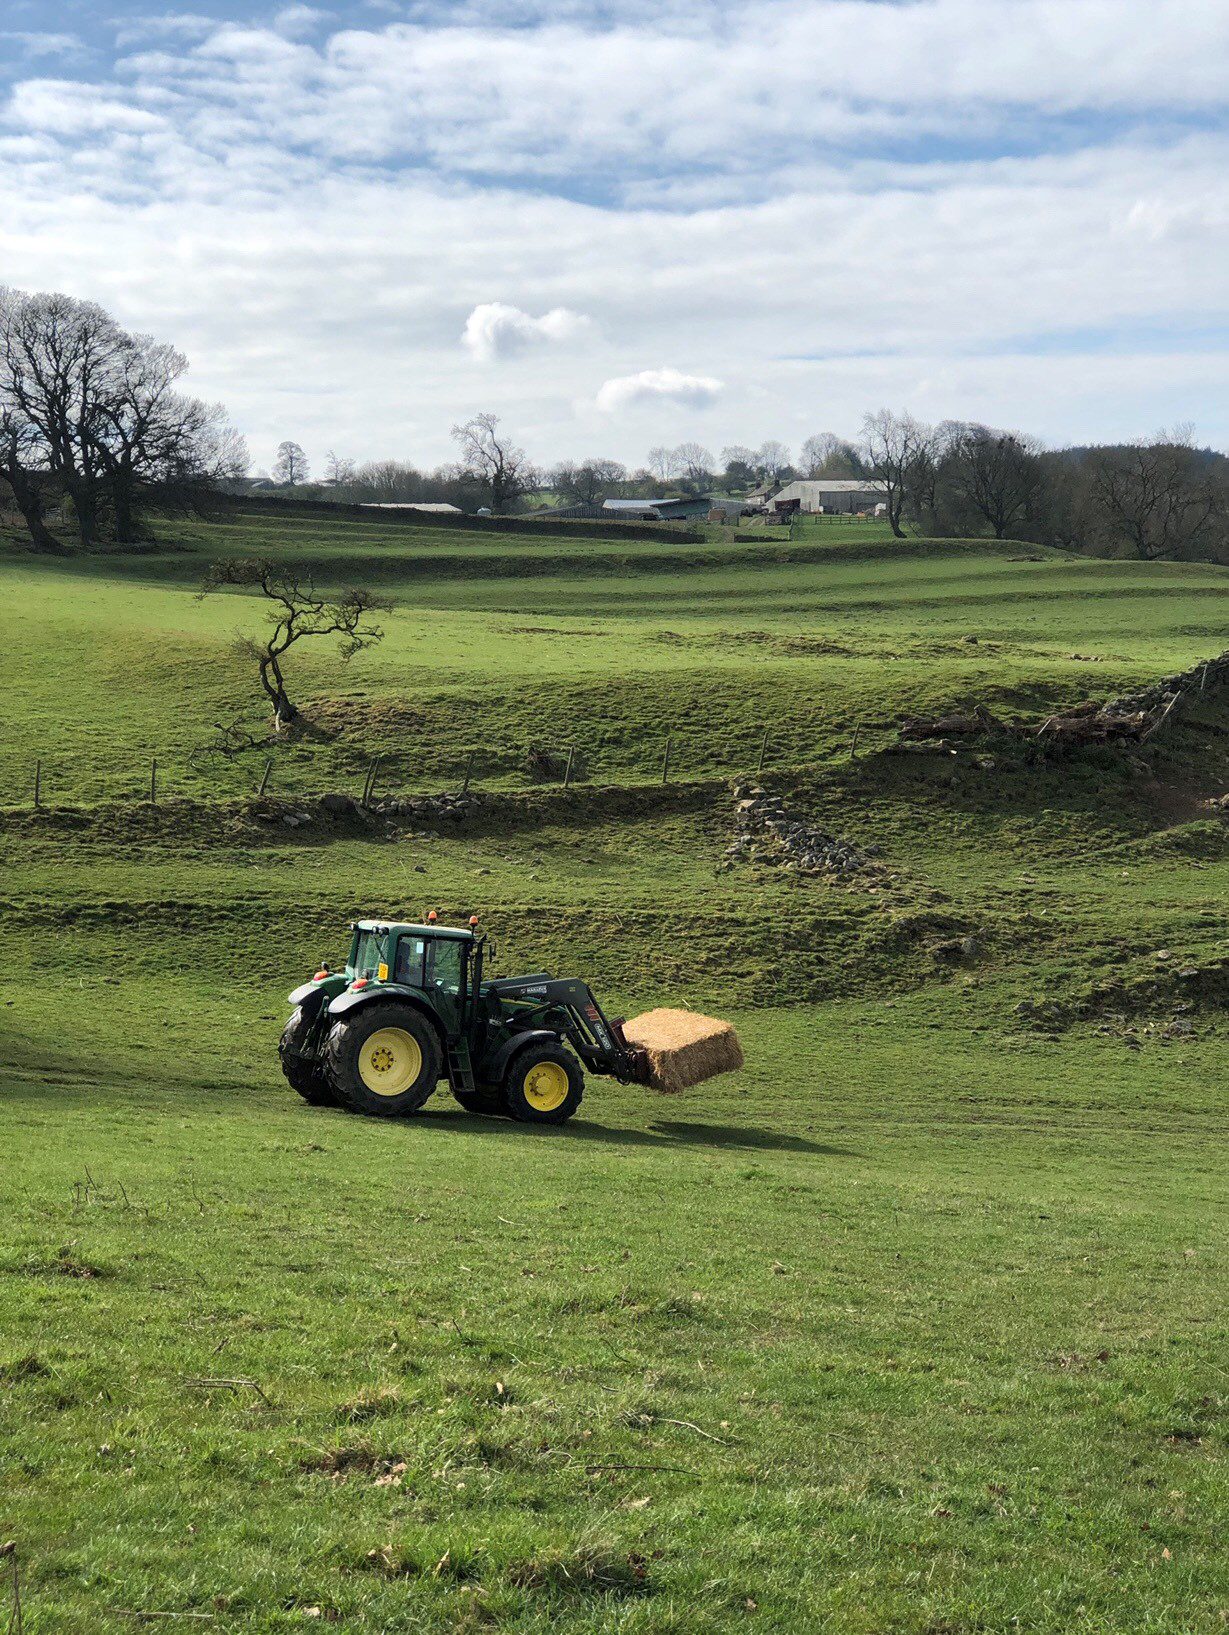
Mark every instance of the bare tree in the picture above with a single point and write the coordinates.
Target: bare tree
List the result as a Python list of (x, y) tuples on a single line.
[(695, 464), (57, 365), (491, 460), (589, 482), (297, 610), (893, 445), (771, 460), (206, 453), (291, 466), (827, 455), (23, 468), (98, 412), (1160, 497), (998, 474), (154, 443), (663, 464), (338, 470)]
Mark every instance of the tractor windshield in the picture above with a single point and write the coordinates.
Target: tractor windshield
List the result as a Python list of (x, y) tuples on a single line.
[(371, 953)]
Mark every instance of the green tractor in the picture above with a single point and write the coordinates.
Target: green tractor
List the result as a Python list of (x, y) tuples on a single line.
[(412, 1007)]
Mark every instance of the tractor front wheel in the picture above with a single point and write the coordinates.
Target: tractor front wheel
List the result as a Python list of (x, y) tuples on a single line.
[(544, 1085), (383, 1060), (304, 1073)]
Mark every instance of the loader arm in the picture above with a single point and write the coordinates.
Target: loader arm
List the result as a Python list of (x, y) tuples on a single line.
[(571, 1007)]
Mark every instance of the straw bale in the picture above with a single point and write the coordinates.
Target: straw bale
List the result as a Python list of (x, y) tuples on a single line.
[(683, 1047)]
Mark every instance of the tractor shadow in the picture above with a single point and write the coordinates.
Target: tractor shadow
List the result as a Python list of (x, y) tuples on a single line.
[(661, 1133), (736, 1137)]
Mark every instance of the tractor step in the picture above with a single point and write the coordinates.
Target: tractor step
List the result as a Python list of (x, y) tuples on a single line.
[(460, 1066)]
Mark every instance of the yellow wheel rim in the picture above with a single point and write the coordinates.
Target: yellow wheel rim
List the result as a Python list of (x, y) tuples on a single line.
[(389, 1061), (546, 1086)]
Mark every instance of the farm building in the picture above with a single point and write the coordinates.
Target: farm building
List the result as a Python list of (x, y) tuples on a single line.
[(436, 506), (829, 494), (659, 510)]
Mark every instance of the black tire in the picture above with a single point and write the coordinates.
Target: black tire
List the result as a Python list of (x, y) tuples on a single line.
[(528, 1092), (488, 1100), (304, 1073), (354, 1074)]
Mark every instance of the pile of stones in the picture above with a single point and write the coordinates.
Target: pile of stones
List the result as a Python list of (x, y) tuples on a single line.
[(430, 809), (767, 833)]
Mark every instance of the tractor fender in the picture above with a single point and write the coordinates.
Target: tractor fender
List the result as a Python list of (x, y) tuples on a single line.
[(383, 992), (309, 997), (499, 1063)]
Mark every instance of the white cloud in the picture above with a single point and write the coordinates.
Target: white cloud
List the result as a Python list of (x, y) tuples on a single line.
[(35, 44), (65, 108), (299, 19), (665, 386), (494, 330)]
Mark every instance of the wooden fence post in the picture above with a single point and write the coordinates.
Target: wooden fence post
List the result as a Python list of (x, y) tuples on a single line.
[(469, 767), (264, 779), (38, 784), (369, 782), (763, 752), (665, 761), (153, 781), (567, 771)]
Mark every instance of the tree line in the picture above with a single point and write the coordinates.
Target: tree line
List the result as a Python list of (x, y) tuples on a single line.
[(94, 421), (93, 416), (1160, 497)]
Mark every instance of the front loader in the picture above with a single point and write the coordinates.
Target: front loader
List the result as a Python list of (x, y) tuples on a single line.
[(412, 1007)]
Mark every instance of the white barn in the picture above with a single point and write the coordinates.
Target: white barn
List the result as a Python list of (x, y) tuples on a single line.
[(835, 494)]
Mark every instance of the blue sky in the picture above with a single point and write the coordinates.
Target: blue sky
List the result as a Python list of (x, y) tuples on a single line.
[(617, 227)]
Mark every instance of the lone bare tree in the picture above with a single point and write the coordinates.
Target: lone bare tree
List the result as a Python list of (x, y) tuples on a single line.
[(291, 465), (894, 443), (490, 459), (297, 610)]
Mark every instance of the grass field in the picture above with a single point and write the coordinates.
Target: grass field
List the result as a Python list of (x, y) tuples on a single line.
[(917, 1325)]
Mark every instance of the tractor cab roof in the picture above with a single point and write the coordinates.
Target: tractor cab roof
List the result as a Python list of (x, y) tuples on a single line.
[(398, 927)]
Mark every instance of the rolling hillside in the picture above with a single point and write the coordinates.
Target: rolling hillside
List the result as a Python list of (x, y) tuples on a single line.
[(916, 1326)]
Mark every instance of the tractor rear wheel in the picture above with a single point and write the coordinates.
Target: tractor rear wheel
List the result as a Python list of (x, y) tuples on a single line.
[(303, 1072), (544, 1085), (383, 1060)]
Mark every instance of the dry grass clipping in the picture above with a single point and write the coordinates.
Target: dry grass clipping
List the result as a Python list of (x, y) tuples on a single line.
[(684, 1048)]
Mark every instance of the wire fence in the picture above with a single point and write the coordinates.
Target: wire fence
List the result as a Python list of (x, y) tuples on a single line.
[(561, 768)]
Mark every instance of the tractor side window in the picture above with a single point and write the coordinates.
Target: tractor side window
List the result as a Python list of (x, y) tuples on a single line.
[(409, 962), (444, 965)]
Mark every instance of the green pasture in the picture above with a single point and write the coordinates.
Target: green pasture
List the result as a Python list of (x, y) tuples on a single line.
[(497, 647), (915, 1327)]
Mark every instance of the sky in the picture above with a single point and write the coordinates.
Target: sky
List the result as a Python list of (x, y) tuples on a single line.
[(625, 224)]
